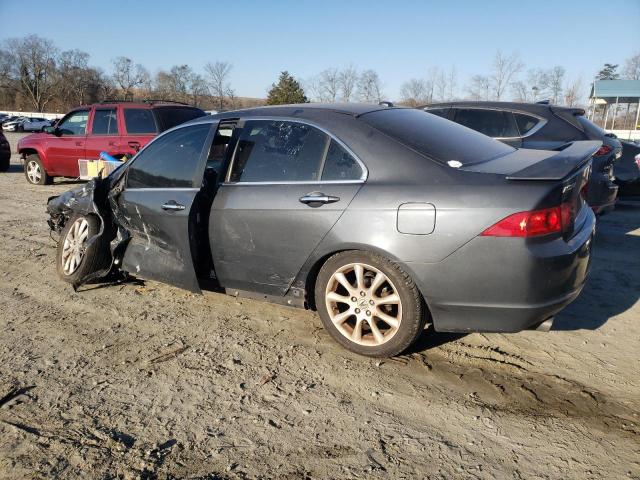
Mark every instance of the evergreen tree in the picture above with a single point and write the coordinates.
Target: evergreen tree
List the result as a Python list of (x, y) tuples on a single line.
[(608, 72), (287, 90)]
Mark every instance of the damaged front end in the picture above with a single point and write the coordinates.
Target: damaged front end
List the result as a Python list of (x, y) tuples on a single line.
[(96, 198)]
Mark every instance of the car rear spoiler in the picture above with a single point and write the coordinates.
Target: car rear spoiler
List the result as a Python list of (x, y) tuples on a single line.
[(558, 166)]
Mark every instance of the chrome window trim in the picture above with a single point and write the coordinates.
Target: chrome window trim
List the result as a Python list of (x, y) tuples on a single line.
[(541, 120), (172, 189), (243, 120)]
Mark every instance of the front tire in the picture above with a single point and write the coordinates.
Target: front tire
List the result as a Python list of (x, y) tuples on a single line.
[(368, 304), (75, 260), (35, 172)]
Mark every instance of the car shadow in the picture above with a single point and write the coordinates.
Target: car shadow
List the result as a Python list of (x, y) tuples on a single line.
[(613, 283), (432, 339)]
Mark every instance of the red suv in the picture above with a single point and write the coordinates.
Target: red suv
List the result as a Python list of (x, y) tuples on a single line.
[(118, 128)]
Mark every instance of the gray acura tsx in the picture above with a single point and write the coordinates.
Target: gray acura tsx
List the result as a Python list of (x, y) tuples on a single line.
[(382, 219)]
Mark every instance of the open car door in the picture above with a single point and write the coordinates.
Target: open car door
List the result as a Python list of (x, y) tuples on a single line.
[(162, 186)]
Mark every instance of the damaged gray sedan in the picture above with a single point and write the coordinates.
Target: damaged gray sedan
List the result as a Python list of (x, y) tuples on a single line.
[(382, 219)]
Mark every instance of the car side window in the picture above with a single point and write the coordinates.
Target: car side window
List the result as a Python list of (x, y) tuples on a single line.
[(105, 122), (493, 123), (170, 161), (340, 164), (139, 120), (441, 112), (74, 124), (525, 122), (278, 151)]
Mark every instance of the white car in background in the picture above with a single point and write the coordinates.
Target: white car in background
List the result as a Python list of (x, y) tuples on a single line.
[(12, 126), (33, 124)]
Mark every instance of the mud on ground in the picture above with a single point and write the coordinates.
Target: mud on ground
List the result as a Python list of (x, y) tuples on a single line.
[(142, 380)]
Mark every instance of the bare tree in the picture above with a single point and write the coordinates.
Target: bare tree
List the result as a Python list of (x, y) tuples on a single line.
[(33, 63), (329, 83), (440, 86), (574, 93), (431, 82), (632, 67), (128, 76), (505, 67), (452, 80), (553, 81), (347, 80), (414, 92), (219, 80), (370, 87), (521, 91), (479, 87), (198, 89)]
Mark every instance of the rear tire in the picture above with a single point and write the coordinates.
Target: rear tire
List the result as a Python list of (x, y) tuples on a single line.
[(35, 172), (5, 163), (368, 304), (74, 259)]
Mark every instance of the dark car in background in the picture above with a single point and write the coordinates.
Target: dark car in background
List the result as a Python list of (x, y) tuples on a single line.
[(118, 128), (380, 218), (542, 126), (628, 169), (5, 153)]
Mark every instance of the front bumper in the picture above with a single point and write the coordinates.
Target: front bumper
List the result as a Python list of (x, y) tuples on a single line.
[(505, 284)]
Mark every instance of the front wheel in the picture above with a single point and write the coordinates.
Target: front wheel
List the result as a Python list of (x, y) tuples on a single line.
[(369, 304), (76, 258), (35, 172)]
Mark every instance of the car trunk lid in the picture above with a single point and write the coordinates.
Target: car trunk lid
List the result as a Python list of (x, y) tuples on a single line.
[(568, 169)]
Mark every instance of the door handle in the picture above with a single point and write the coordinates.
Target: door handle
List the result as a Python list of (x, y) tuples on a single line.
[(79, 144), (318, 198), (172, 205), (135, 145)]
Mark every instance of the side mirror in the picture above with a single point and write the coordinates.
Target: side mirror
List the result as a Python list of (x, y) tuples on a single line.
[(50, 130)]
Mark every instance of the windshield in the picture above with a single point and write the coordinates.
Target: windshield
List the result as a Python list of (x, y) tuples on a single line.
[(435, 137)]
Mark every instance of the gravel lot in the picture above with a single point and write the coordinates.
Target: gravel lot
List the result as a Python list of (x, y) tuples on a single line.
[(142, 380)]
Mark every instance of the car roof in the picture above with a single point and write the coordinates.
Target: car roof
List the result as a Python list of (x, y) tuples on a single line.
[(308, 111)]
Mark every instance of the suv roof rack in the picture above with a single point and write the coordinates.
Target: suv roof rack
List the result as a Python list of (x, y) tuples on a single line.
[(145, 100)]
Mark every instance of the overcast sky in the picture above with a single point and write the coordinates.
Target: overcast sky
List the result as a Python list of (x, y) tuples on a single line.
[(399, 39)]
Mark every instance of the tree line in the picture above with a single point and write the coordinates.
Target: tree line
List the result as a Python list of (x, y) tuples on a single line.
[(36, 75)]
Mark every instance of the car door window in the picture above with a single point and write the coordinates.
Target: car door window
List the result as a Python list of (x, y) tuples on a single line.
[(493, 123), (525, 122), (139, 120), (278, 151), (340, 164), (74, 124), (171, 161), (105, 122)]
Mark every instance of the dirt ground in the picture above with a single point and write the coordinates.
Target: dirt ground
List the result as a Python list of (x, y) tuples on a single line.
[(142, 380)]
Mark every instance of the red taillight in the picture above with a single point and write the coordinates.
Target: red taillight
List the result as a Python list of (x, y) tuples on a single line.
[(533, 224), (638, 160), (603, 150)]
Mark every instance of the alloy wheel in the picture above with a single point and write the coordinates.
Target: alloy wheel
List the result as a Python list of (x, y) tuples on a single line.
[(74, 246), (363, 304), (34, 172)]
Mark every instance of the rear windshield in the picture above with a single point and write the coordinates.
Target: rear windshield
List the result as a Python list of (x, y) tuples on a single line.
[(435, 137), (169, 117)]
